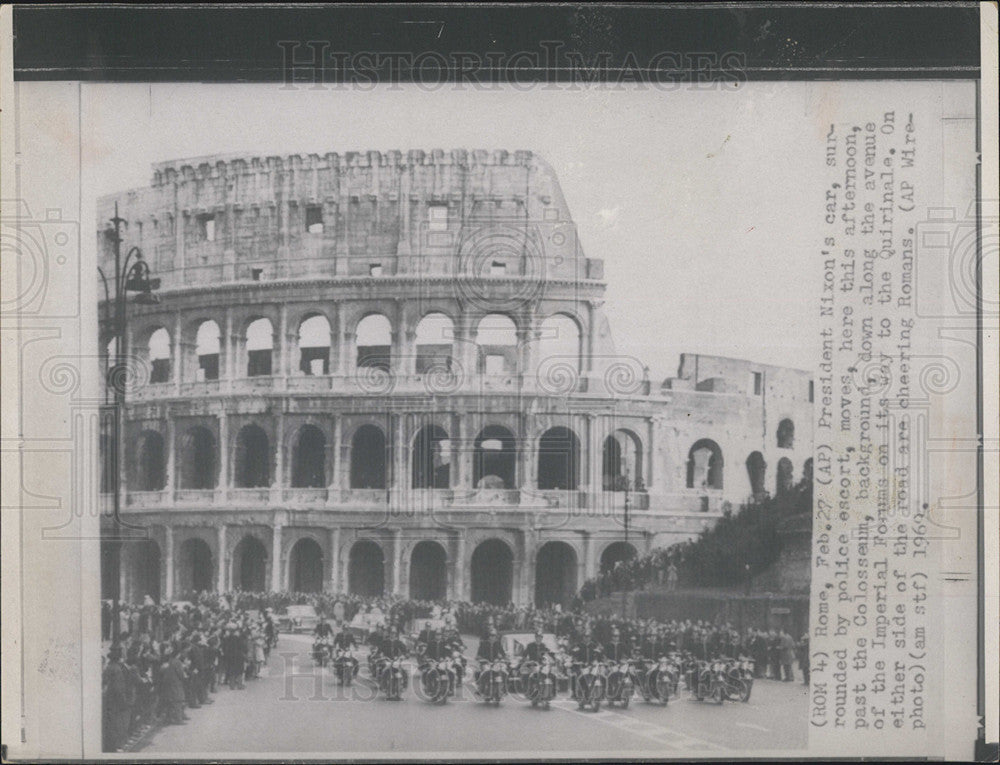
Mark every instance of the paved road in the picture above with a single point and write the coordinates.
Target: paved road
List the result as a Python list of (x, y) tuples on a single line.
[(296, 707)]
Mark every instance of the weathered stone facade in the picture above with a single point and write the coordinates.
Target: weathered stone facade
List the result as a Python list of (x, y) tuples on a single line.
[(392, 373)]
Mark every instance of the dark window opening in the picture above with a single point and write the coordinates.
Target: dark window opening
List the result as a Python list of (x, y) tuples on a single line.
[(375, 269), (786, 434), (151, 474), (206, 227), (436, 358), (197, 458), (558, 460), (812, 391), (785, 476), (160, 371), (494, 458), (314, 219), (368, 458), (309, 459), (756, 469), (704, 466), (253, 458), (374, 356), (256, 274), (208, 366), (315, 361), (758, 383), (258, 363), (431, 459)]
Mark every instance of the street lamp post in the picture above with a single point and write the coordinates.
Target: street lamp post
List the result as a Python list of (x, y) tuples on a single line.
[(131, 275), (627, 498)]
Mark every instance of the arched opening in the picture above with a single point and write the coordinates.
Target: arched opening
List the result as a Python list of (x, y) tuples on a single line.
[(555, 574), (558, 459), (150, 473), (306, 566), (366, 569), (314, 346), (757, 470), (144, 570), (615, 553), (622, 462), (431, 459), (159, 356), (807, 470), (434, 340), (207, 343), (195, 570), (785, 476), (786, 434), (250, 565), (559, 343), (704, 465), (197, 459), (368, 458), (374, 342), (428, 572), (260, 343), (253, 458), (309, 458), (496, 338), (494, 458), (492, 573)]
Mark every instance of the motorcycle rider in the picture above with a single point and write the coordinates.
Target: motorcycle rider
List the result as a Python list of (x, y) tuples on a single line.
[(344, 641), (490, 650), (587, 650), (617, 649), (393, 648)]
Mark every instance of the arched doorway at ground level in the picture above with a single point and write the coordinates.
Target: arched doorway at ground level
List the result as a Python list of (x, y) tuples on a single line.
[(492, 573), (428, 572), (555, 574)]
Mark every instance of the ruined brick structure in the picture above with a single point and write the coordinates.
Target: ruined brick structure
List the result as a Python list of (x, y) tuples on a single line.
[(392, 373)]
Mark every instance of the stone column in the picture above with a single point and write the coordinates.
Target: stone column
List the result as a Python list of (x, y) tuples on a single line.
[(348, 362), (584, 561), (409, 366), (279, 456), (284, 343), (223, 482), (595, 455), (590, 553), (460, 567), (335, 483), (168, 552), (461, 453), (525, 455), (397, 561), (177, 363), (220, 582), (650, 472), (276, 556), (398, 453), (335, 559), (530, 553), (229, 343), (171, 476)]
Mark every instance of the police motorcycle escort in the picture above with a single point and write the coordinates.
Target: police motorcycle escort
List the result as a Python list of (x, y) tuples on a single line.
[(345, 665), (388, 660), (494, 671), (621, 671), (589, 673), (439, 668), (739, 678), (322, 647), (538, 673), (712, 682)]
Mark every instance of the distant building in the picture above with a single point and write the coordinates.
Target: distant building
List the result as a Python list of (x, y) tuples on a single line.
[(392, 373)]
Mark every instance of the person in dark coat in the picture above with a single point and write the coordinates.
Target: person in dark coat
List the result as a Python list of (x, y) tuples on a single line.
[(803, 654), (172, 690), (117, 702)]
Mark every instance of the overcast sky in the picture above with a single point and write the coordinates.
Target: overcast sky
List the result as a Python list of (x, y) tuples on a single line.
[(702, 204)]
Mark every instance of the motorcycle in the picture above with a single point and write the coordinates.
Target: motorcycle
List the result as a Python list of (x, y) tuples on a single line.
[(345, 666), (659, 681), (620, 684), (321, 652), (541, 682), (392, 678), (492, 681), (712, 682), (739, 679), (590, 686), (438, 679)]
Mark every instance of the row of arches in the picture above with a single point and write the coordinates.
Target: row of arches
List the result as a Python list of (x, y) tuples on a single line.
[(494, 459), (496, 337), (491, 569)]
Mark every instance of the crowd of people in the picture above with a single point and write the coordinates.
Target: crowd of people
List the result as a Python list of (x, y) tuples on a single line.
[(167, 658)]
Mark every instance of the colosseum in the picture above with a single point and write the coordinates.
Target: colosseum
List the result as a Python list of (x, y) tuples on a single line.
[(392, 373)]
